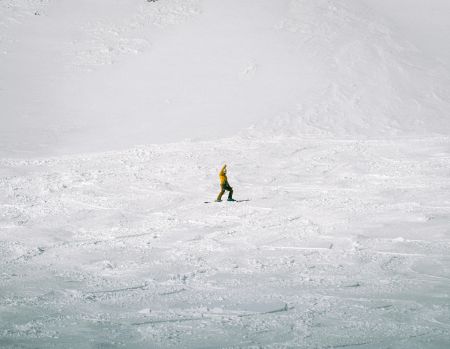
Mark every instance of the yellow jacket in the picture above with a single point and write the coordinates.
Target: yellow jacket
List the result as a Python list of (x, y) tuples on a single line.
[(223, 175)]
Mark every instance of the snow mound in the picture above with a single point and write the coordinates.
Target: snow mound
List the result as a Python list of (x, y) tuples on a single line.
[(362, 78)]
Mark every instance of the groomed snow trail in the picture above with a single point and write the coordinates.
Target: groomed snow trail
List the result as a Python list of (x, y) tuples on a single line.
[(342, 244)]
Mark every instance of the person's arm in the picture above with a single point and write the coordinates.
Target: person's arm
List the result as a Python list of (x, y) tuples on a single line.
[(222, 171)]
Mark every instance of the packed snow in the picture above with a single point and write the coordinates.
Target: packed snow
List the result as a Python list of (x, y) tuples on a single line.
[(333, 119), (341, 244)]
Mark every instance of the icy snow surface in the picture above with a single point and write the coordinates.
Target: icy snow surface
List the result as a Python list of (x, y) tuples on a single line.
[(342, 237)]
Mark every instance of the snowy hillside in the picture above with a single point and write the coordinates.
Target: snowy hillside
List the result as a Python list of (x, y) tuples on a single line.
[(342, 244), (333, 118), (361, 77), (97, 75)]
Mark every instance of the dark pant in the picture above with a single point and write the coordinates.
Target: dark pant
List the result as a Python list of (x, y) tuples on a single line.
[(224, 187)]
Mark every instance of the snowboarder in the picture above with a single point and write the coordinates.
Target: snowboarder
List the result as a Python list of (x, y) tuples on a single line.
[(224, 185)]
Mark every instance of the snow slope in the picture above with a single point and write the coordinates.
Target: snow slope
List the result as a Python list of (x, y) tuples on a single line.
[(424, 24), (342, 244), (343, 237), (368, 79), (96, 75)]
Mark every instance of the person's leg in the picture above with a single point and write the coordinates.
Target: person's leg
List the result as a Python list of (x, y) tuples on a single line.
[(222, 191), (230, 191)]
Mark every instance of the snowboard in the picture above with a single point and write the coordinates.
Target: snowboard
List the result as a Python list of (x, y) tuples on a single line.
[(212, 202)]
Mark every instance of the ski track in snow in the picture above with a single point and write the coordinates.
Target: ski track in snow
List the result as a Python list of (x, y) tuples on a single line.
[(343, 244)]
